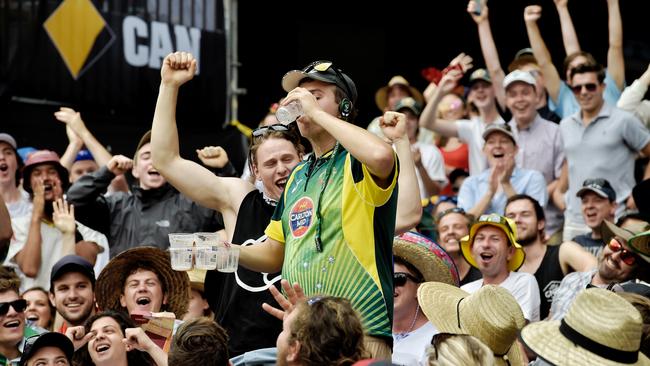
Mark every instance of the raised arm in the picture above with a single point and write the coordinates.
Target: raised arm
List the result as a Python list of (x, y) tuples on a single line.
[(73, 120), (633, 95), (190, 178), (552, 79), (575, 258), (615, 60), (74, 145), (489, 50), (409, 205), (429, 117), (5, 227), (569, 37)]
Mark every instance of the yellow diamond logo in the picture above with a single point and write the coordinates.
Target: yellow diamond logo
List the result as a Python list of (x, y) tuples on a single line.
[(73, 28)]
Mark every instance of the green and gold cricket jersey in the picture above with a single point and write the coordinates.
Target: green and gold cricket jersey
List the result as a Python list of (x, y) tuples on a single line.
[(354, 260)]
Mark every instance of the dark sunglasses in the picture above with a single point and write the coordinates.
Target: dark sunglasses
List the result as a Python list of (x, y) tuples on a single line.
[(448, 211), (627, 256), (19, 306), (323, 66), (278, 127), (591, 87), (444, 198), (400, 278), (597, 183)]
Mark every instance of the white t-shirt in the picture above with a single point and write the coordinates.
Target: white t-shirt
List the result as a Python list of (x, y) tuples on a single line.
[(410, 350), (51, 247), (21, 207), (471, 133), (523, 286), (434, 165)]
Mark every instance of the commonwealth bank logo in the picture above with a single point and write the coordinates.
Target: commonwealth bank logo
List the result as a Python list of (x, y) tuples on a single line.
[(79, 33)]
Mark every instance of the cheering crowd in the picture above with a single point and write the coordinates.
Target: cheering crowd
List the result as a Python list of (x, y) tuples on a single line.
[(497, 218)]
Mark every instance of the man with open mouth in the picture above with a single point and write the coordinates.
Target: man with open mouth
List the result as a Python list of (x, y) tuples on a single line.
[(492, 248), (50, 232)]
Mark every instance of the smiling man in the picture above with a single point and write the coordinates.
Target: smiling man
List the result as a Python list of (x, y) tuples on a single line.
[(145, 216), (492, 248), (488, 192), (72, 290)]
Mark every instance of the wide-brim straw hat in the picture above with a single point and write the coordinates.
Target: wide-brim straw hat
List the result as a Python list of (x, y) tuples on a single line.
[(630, 234), (600, 328), (381, 96), (110, 283), (429, 258), (509, 228), (491, 314)]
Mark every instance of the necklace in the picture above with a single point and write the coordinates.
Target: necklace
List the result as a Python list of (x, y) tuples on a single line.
[(402, 335)]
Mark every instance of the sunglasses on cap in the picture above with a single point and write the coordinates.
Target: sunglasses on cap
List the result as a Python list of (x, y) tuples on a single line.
[(495, 219), (591, 87), (627, 256), (323, 66), (448, 211), (400, 278), (596, 183), (19, 306), (278, 127)]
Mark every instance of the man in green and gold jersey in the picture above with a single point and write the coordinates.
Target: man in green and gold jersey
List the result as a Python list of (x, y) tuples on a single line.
[(333, 228)]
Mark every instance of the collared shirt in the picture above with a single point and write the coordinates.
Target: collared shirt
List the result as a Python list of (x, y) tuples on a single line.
[(568, 104), (540, 148), (605, 148), (28, 332), (571, 285), (523, 181), (471, 133)]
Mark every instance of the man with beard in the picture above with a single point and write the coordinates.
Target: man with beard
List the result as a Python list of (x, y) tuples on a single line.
[(549, 264), (50, 232), (72, 290), (617, 263), (453, 224)]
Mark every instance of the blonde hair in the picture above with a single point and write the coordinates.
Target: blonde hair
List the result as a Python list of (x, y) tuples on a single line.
[(460, 349)]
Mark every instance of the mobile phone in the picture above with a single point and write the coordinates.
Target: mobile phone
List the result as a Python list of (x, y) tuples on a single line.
[(477, 7)]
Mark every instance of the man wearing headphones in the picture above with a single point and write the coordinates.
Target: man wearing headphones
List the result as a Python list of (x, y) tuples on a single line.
[(333, 228)]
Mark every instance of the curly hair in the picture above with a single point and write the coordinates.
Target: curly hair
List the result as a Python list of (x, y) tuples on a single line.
[(197, 338), (9, 280), (329, 332)]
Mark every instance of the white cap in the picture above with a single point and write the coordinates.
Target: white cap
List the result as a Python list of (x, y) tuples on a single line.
[(518, 75), (5, 137)]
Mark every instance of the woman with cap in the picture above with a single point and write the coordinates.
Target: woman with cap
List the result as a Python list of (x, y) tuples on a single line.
[(417, 260), (601, 328), (47, 349), (275, 150), (491, 314)]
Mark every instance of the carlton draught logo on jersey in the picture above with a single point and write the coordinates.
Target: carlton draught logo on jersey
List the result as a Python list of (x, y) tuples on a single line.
[(301, 216)]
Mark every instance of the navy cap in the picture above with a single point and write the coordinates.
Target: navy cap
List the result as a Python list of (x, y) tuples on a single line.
[(84, 155), (72, 263), (600, 186), (51, 339)]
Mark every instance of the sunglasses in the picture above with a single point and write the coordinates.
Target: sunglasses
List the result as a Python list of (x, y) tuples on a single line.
[(400, 278), (627, 256), (496, 219), (278, 127), (19, 306), (323, 66), (591, 87), (448, 211)]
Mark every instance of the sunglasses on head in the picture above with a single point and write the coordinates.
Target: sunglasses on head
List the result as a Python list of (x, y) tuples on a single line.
[(496, 219), (323, 66), (591, 87), (19, 306), (448, 211), (278, 127), (400, 278), (627, 256)]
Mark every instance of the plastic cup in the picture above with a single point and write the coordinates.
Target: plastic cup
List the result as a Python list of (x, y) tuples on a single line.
[(181, 258), (206, 239), (289, 113), (206, 257), (227, 258), (181, 240)]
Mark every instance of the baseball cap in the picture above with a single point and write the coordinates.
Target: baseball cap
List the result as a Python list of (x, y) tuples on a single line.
[(523, 52), (84, 155), (499, 127), (518, 75), (72, 263), (24, 152), (409, 103), (478, 75), (324, 71), (600, 186), (51, 339), (5, 137)]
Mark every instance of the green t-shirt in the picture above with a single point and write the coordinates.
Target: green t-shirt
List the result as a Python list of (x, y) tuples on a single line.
[(357, 228)]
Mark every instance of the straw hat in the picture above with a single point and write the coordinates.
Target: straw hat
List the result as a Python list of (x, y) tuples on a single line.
[(110, 283), (197, 279), (632, 233), (509, 228), (381, 96), (428, 257), (600, 328), (491, 314)]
